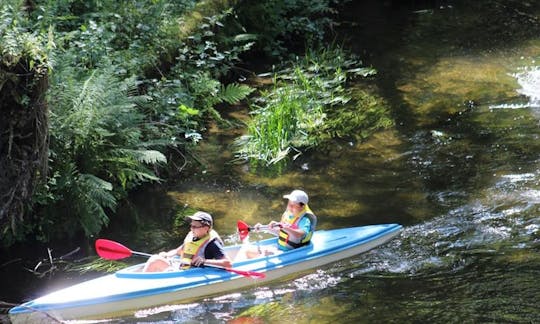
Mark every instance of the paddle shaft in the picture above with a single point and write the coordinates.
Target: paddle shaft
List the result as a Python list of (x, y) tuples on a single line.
[(244, 229), (264, 227), (141, 254)]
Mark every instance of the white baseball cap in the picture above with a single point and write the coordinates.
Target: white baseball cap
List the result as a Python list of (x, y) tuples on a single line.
[(201, 217), (297, 196)]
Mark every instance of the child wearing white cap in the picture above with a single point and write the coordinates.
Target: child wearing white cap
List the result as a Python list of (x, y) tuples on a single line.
[(297, 223)]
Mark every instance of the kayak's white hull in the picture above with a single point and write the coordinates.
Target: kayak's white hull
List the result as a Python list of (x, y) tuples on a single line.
[(129, 289)]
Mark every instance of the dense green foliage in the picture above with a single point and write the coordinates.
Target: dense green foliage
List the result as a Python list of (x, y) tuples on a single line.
[(133, 83), (98, 151), (130, 81), (309, 104), (284, 27)]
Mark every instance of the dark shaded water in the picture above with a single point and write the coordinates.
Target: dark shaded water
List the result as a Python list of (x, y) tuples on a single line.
[(460, 170)]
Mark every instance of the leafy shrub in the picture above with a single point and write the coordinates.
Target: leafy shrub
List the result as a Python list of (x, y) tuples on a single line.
[(182, 101), (285, 25), (131, 77), (97, 152), (104, 133)]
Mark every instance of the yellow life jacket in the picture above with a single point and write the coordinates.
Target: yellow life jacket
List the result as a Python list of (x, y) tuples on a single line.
[(191, 248), (286, 241)]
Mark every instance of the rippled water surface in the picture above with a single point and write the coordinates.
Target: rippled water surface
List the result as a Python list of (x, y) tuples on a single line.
[(460, 171)]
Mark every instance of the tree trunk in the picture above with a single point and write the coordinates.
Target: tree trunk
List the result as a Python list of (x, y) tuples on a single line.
[(23, 139)]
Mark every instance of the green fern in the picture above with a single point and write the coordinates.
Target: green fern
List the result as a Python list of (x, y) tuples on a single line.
[(97, 195), (99, 190), (97, 147), (74, 202), (150, 156), (233, 93), (129, 165)]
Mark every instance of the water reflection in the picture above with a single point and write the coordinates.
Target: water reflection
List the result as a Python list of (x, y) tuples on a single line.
[(256, 305)]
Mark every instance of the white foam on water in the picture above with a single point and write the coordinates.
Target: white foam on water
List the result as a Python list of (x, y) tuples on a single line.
[(519, 177), (529, 81), (514, 106)]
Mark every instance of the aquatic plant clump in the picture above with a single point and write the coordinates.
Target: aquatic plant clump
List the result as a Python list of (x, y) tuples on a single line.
[(294, 114)]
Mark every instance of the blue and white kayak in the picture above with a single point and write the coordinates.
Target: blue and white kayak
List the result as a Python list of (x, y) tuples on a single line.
[(130, 289)]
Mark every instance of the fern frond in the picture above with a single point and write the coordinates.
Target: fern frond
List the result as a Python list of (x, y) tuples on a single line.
[(150, 156), (233, 93), (144, 176), (123, 155), (98, 191)]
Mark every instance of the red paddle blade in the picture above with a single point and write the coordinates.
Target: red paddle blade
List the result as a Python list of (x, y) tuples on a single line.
[(243, 229), (111, 250)]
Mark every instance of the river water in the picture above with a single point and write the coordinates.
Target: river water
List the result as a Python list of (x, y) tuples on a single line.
[(460, 171)]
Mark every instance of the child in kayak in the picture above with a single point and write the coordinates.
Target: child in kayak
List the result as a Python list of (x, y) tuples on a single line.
[(295, 228), (201, 246)]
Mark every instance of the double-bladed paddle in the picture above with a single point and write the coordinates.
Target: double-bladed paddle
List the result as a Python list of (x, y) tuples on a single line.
[(112, 250)]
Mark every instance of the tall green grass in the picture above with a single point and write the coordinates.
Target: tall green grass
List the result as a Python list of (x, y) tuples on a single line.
[(292, 115), (285, 121)]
